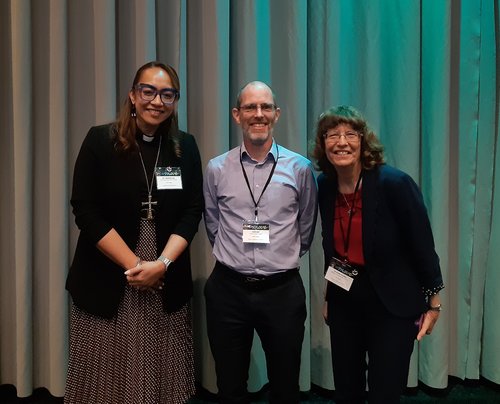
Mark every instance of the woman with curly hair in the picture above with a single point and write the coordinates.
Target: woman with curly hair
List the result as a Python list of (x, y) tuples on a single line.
[(382, 271)]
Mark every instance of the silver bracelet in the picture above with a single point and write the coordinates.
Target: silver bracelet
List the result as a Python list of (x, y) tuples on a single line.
[(165, 260)]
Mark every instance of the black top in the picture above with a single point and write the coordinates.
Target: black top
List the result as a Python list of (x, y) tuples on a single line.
[(398, 246), (108, 188)]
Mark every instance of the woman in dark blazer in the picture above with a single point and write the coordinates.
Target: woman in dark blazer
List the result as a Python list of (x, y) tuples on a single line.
[(137, 199), (382, 271)]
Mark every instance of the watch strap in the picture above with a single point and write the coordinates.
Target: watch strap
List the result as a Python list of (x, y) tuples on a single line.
[(436, 308), (165, 260)]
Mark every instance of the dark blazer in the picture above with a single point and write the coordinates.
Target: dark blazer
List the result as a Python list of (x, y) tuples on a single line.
[(108, 188), (398, 245)]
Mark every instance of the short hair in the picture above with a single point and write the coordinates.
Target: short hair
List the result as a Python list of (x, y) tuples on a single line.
[(255, 84), (372, 151)]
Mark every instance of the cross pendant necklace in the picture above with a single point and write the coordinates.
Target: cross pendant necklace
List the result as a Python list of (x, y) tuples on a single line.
[(149, 211), (350, 210)]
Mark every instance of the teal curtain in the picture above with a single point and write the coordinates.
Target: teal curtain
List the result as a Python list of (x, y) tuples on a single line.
[(424, 73)]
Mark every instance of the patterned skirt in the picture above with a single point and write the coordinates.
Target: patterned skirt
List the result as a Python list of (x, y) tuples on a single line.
[(141, 356)]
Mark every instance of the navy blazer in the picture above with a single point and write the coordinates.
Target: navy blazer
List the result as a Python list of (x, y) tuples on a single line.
[(108, 188), (398, 245)]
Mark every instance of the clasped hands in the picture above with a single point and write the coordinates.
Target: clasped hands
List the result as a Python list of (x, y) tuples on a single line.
[(146, 275)]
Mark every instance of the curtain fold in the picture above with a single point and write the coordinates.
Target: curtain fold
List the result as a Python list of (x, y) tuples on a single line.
[(435, 106), (21, 356), (471, 276), (208, 79), (488, 261), (50, 197), (425, 74)]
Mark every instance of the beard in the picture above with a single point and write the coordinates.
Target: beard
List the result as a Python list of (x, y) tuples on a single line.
[(258, 138), (259, 141)]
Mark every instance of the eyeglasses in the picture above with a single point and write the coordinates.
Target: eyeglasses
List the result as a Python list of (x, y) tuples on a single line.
[(149, 93), (334, 137), (252, 108)]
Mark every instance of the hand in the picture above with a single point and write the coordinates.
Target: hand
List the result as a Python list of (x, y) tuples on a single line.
[(430, 319), (159, 284), (148, 275)]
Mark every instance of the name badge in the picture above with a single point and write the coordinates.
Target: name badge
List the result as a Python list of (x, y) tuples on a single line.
[(255, 232), (168, 178), (341, 274)]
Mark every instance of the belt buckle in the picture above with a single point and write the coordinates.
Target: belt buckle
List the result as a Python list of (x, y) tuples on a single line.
[(252, 279)]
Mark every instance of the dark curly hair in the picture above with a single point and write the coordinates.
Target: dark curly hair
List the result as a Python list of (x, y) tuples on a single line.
[(124, 129), (372, 151)]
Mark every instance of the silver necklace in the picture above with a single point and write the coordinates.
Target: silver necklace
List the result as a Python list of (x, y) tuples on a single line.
[(149, 210), (350, 210)]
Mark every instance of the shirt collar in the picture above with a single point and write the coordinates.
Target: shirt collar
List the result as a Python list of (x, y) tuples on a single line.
[(272, 152)]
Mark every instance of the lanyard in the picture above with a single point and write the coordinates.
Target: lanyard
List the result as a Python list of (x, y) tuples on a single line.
[(256, 204), (347, 239)]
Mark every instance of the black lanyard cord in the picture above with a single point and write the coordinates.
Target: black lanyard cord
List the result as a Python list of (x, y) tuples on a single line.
[(347, 239), (256, 204)]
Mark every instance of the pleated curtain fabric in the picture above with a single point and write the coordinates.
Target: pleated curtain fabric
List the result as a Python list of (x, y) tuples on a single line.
[(425, 74)]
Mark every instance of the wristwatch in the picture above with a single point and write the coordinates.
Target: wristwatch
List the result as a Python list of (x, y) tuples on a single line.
[(435, 308), (165, 260)]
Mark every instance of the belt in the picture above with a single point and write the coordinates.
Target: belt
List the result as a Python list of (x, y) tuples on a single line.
[(257, 282)]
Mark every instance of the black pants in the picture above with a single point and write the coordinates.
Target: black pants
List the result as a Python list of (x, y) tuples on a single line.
[(276, 310), (360, 325)]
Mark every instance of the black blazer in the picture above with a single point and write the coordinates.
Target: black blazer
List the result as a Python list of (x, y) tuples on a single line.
[(398, 245), (108, 188)]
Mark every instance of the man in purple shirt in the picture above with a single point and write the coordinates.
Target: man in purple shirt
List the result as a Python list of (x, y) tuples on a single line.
[(260, 214)]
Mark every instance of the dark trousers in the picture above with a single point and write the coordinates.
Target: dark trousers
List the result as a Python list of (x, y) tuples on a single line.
[(360, 325), (276, 310)]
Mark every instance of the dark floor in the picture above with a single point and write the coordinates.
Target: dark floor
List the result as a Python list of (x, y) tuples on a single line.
[(458, 391)]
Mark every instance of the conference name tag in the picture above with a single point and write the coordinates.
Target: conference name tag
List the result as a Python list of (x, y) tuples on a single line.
[(168, 178), (341, 273), (255, 232), (338, 278)]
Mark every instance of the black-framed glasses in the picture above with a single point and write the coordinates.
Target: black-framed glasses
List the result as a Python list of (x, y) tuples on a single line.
[(350, 136), (149, 93), (253, 108)]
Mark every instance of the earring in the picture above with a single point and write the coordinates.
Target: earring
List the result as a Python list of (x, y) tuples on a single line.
[(133, 114)]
